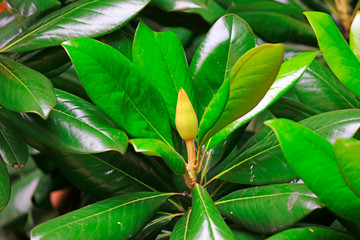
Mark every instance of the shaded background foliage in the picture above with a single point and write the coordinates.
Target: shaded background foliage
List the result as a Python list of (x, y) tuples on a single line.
[(67, 142)]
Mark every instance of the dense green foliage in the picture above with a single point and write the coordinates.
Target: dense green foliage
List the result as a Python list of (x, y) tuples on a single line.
[(93, 92)]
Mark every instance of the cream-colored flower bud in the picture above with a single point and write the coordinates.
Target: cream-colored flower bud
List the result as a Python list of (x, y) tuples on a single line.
[(185, 119)]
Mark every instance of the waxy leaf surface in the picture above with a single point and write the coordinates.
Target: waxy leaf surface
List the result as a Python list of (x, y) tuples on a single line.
[(205, 221), (4, 186), (74, 125), (119, 217), (161, 59), (354, 39), (313, 159), (13, 149), (228, 39), (348, 161), (112, 83), (85, 18), (268, 209), (25, 90), (288, 75), (155, 147), (262, 161), (249, 80), (321, 90), (311, 233), (336, 51)]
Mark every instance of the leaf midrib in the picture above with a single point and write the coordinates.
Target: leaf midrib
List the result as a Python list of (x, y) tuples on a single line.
[(108, 210), (46, 24)]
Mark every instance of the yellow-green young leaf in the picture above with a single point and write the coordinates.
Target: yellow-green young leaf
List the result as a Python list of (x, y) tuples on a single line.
[(337, 53), (119, 217), (313, 159), (354, 39), (249, 80), (347, 157)]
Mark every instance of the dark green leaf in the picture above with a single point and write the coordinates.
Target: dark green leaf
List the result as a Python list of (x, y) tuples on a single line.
[(313, 159), (153, 228), (161, 58), (241, 234), (181, 228), (216, 56), (25, 90), (263, 161), (311, 233), (321, 90), (74, 125), (113, 84), (155, 147), (86, 18), (13, 150), (354, 38), (336, 51), (288, 75), (262, 16), (25, 11), (178, 5), (347, 158), (4, 186), (119, 217), (292, 109), (205, 221), (250, 79), (110, 174), (268, 209), (20, 202)]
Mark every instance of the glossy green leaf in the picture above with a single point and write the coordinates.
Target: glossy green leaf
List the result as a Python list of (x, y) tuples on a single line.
[(292, 109), (20, 202), (161, 59), (354, 39), (216, 56), (241, 234), (4, 186), (262, 16), (109, 174), (155, 147), (205, 221), (347, 157), (112, 83), (25, 90), (13, 149), (178, 5), (74, 125), (313, 159), (85, 18), (119, 217), (263, 162), (336, 51), (268, 209), (320, 89), (181, 228), (154, 227), (27, 12), (288, 75), (250, 79), (311, 233)]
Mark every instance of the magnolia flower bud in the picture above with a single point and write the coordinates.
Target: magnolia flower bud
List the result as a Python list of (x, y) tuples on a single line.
[(185, 119)]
